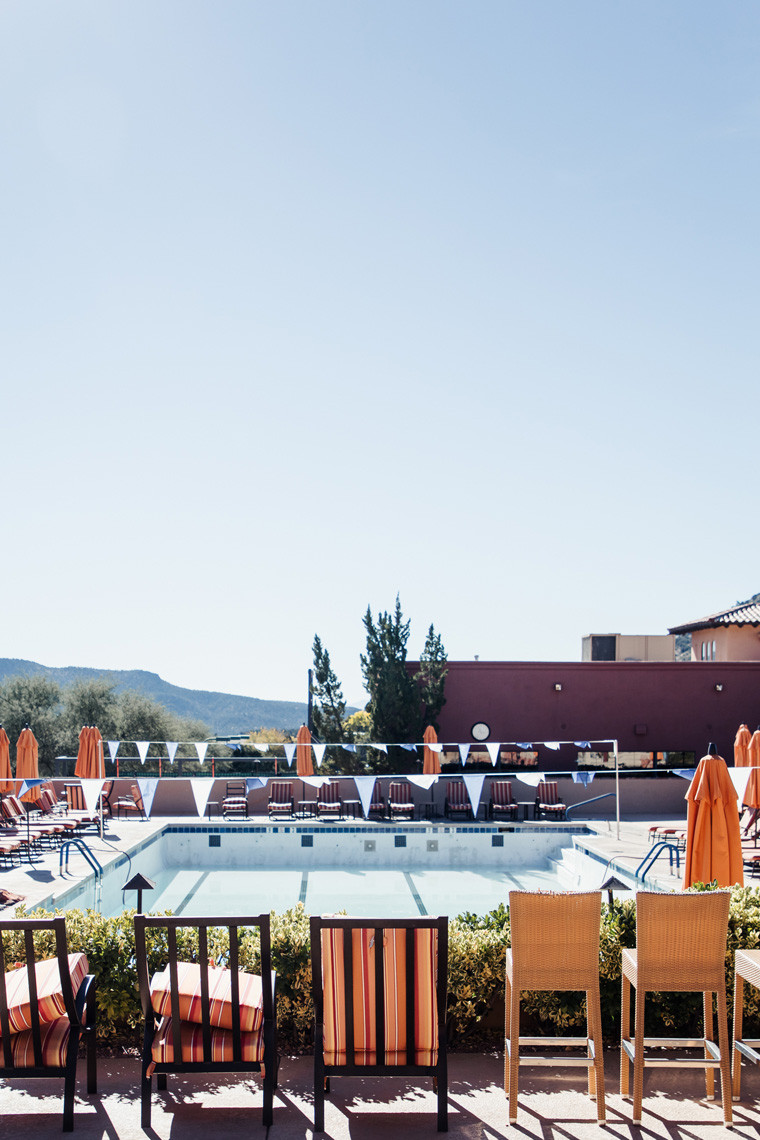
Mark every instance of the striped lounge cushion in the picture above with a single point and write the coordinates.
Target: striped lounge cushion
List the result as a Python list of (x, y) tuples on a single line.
[(162, 1050), (394, 975), (54, 1039), (220, 996), (49, 993)]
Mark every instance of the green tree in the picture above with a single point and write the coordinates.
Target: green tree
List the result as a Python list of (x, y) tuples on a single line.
[(35, 701), (393, 698), (89, 702), (141, 718), (328, 715), (430, 679)]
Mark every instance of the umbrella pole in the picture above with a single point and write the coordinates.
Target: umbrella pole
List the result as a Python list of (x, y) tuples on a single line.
[(617, 786)]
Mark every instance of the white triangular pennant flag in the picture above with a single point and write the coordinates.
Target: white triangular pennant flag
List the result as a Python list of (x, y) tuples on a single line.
[(171, 748), (474, 785), (553, 744), (532, 779), (493, 752), (584, 778), (254, 782), (740, 778), (290, 751), (423, 781), (113, 748), (147, 786), (202, 788), (201, 749), (410, 747), (319, 753), (32, 782), (464, 752), (689, 773), (315, 781), (261, 747), (365, 785), (142, 748), (349, 747), (433, 747), (91, 789), (380, 748)]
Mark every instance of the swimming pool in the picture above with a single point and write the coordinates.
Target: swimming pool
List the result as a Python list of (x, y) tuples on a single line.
[(366, 871)]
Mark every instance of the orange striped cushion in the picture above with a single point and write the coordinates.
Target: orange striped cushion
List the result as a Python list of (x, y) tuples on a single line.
[(49, 993), (54, 1039), (220, 999), (394, 976), (162, 1050)]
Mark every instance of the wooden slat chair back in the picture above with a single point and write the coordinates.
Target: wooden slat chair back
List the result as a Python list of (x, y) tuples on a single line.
[(328, 800), (377, 803), (34, 830), (457, 799), (235, 800), (502, 801), (281, 798), (400, 800), (199, 1018), (46, 1005), (379, 1014), (554, 947), (548, 801), (75, 804), (680, 947)]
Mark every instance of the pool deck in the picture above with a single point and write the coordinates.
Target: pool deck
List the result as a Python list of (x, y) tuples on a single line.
[(552, 1105)]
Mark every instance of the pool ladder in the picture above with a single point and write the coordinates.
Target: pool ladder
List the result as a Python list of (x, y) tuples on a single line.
[(83, 849), (652, 856)]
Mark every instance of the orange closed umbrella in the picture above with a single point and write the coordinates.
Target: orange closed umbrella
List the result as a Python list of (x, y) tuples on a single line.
[(431, 764), (713, 839), (27, 766), (6, 775), (304, 765), (741, 747), (90, 761)]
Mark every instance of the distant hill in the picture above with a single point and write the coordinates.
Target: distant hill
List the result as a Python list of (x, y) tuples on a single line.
[(225, 713)]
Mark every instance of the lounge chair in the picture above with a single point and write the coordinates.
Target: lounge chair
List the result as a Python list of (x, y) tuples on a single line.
[(555, 946), (328, 800), (548, 803), (502, 802), (366, 1003), (681, 947), (21, 822), (281, 799), (457, 801), (77, 808), (200, 1018), (46, 1005), (235, 802), (400, 801)]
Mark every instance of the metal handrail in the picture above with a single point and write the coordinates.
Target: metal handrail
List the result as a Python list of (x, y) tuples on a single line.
[(652, 856), (593, 800), (83, 849)]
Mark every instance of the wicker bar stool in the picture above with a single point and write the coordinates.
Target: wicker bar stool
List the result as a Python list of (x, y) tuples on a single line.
[(680, 948), (747, 970), (555, 946)]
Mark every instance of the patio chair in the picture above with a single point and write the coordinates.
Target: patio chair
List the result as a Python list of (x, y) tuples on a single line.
[(502, 801), (329, 801), (379, 1015), (281, 799), (457, 801), (200, 1018), (400, 800), (77, 808), (555, 947), (46, 1005), (235, 802), (22, 822), (548, 803), (131, 804), (680, 947), (377, 803)]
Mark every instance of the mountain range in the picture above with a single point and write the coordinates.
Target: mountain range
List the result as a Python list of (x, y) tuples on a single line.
[(227, 714)]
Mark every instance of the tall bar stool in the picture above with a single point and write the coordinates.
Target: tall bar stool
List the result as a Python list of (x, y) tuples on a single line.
[(747, 970), (680, 948), (555, 946)]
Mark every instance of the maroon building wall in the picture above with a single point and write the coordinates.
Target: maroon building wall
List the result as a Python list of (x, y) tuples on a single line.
[(648, 706)]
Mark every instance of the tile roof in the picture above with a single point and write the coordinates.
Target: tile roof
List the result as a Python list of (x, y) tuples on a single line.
[(743, 613)]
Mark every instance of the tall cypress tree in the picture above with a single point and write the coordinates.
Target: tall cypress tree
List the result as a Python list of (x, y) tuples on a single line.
[(393, 697), (430, 679)]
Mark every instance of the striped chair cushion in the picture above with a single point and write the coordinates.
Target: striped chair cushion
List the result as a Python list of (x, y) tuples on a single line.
[(220, 996), (162, 1050), (54, 1039), (394, 966), (49, 993)]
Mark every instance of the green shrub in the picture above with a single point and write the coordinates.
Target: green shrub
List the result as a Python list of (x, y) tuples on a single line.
[(476, 974)]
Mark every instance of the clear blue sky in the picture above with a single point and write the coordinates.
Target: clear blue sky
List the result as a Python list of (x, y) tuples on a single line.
[(303, 304)]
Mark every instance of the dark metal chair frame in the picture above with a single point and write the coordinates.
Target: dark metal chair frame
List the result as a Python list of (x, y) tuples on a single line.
[(170, 925), (322, 1071), (284, 806), (80, 1010)]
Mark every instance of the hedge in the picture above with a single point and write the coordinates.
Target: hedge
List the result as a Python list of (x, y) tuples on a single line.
[(476, 975)]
